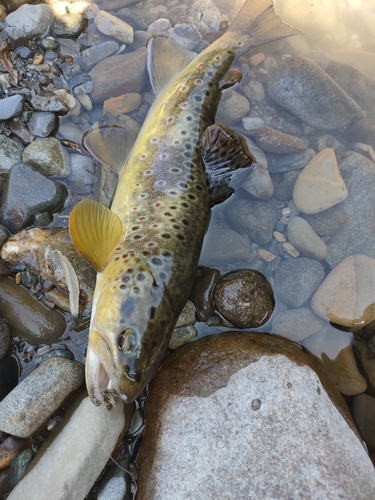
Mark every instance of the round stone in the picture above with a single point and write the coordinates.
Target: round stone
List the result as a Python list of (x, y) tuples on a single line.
[(303, 237), (244, 298), (346, 296)]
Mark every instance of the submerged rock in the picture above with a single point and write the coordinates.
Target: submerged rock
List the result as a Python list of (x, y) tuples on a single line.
[(304, 89), (253, 409)]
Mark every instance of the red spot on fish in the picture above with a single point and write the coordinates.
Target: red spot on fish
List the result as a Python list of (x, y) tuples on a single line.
[(218, 58), (223, 45), (142, 157), (148, 172), (184, 88), (170, 119), (164, 156), (143, 195), (155, 226), (136, 185), (184, 105), (142, 218), (160, 183), (176, 142), (157, 205), (198, 82), (151, 244), (134, 209), (200, 65), (155, 139)]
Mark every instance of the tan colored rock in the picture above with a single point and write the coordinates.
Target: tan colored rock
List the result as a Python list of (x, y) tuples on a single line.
[(303, 237), (125, 103), (319, 186), (347, 295), (113, 26), (334, 349)]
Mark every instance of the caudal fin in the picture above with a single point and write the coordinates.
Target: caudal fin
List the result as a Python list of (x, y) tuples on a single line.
[(256, 24)]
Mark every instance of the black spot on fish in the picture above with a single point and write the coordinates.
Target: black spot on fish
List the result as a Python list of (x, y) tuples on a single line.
[(185, 222), (198, 187), (166, 253), (192, 178), (135, 228), (183, 185), (173, 207), (162, 276), (129, 271), (126, 279), (180, 237), (145, 253), (198, 98), (184, 204), (152, 312), (188, 154), (156, 261), (118, 248), (138, 237), (140, 277), (173, 193), (189, 118), (183, 132), (197, 109), (188, 145), (192, 197), (173, 219), (136, 290), (176, 226), (117, 258), (168, 214), (195, 129), (166, 236)]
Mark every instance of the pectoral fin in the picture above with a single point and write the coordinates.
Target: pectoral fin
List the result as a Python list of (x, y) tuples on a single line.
[(110, 144), (94, 231), (224, 152)]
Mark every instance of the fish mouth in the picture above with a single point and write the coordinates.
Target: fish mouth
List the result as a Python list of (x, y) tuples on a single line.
[(103, 382)]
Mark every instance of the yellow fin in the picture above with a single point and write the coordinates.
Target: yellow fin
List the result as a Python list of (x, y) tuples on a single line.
[(110, 144), (166, 58), (94, 231)]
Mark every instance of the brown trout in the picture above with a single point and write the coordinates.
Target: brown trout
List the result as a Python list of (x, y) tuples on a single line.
[(146, 248)]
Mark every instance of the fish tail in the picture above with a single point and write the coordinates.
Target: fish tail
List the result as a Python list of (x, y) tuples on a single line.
[(256, 24)]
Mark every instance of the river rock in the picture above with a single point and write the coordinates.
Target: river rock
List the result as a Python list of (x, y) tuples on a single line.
[(367, 359), (113, 26), (232, 108), (357, 235), (303, 237), (19, 465), (84, 427), (255, 388), (48, 157), (125, 103), (36, 248), (58, 101), (295, 161), (186, 34), (364, 415), (28, 407), (256, 219), (10, 153), (346, 296), (11, 107), (202, 292), (27, 193), (259, 183), (27, 317), (32, 20), (223, 246), (92, 55), (4, 338), (205, 15), (329, 222), (274, 141), (333, 348), (319, 186), (69, 25), (42, 123), (9, 372), (297, 279), (284, 191), (244, 298), (117, 75), (10, 448), (304, 89), (296, 324), (182, 335)]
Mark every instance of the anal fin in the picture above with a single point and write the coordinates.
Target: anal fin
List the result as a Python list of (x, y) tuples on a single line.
[(94, 231), (223, 152)]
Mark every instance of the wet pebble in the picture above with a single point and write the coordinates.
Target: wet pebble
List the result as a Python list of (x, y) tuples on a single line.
[(231, 377), (27, 317), (19, 465), (302, 236), (186, 34), (259, 183), (115, 484), (159, 27), (320, 185), (334, 349), (232, 108), (329, 222), (254, 91), (28, 407), (187, 315), (48, 156), (114, 27), (256, 219), (10, 153), (62, 352), (58, 101), (291, 162), (245, 298), (202, 292), (364, 415), (92, 55), (27, 193), (32, 20), (83, 174), (42, 123), (304, 89), (70, 25), (9, 372), (10, 448), (252, 123), (4, 337), (182, 335), (297, 279), (11, 107), (205, 15), (346, 296), (117, 75), (296, 324), (85, 425)]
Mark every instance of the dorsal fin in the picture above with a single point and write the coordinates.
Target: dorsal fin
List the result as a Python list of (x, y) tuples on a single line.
[(110, 144), (166, 58), (94, 231)]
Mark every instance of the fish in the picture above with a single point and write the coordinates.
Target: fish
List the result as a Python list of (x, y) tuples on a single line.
[(146, 247)]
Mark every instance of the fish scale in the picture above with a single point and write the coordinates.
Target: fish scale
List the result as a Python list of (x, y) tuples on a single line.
[(154, 232)]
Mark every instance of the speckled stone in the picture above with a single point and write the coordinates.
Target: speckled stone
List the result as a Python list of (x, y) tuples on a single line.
[(271, 418), (296, 324), (244, 298)]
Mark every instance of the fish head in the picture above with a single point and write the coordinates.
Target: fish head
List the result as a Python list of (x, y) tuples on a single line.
[(132, 320)]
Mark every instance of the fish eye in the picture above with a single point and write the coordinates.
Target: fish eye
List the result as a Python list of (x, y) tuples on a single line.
[(126, 341)]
